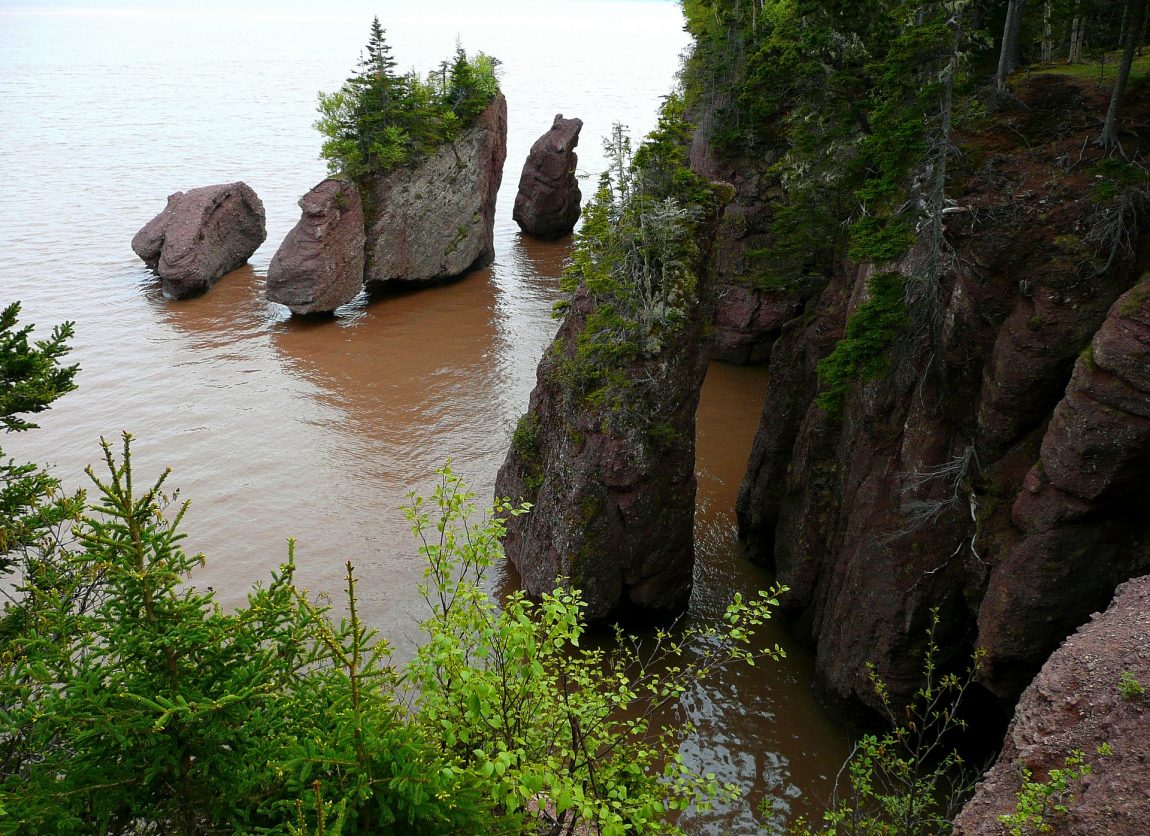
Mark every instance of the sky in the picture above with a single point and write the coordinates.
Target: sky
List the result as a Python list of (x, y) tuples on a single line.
[(279, 7)]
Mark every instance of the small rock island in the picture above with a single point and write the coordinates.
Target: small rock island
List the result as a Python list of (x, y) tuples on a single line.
[(547, 204), (201, 235)]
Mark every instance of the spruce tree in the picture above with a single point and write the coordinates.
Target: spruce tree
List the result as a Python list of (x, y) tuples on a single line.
[(31, 378), (378, 61)]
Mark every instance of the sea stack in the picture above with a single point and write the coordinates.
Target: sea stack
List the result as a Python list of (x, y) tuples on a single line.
[(547, 204), (319, 265), (201, 235), (435, 219)]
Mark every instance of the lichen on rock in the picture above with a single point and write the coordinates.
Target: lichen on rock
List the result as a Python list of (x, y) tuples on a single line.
[(434, 218)]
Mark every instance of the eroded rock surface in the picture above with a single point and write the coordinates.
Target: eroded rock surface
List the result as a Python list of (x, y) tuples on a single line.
[(547, 203), (752, 303), (435, 219), (1082, 507), (319, 265), (612, 486), (905, 500), (1077, 702), (201, 235)]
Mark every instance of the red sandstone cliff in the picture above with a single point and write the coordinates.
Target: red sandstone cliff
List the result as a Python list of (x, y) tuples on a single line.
[(989, 485)]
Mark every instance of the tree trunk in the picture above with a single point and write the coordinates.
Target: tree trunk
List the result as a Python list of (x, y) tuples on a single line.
[(1047, 34), (1008, 55), (1077, 39), (1135, 12)]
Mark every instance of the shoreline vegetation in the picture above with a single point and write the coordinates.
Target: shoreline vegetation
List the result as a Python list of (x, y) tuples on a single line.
[(131, 702)]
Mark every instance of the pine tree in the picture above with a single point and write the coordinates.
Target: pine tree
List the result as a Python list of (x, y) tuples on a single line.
[(378, 61)]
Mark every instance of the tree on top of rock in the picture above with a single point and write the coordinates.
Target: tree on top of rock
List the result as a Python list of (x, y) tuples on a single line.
[(378, 61), (378, 120)]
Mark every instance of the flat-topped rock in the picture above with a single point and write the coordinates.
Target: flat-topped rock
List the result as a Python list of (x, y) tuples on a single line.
[(201, 235)]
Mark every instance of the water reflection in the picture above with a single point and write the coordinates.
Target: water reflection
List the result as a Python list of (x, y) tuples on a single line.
[(756, 727)]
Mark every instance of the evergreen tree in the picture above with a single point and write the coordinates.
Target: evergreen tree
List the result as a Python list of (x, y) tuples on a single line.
[(31, 378), (378, 61), (379, 120)]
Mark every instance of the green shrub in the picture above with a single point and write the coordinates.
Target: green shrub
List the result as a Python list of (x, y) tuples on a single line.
[(1041, 803), (151, 709), (908, 781), (31, 378), (870, 331), (1130, 688), (637, 258)]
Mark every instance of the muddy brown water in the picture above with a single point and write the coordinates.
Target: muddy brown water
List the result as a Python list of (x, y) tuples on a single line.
[(318, 429)]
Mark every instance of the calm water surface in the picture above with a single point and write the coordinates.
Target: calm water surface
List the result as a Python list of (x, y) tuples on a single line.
[(317, 430)]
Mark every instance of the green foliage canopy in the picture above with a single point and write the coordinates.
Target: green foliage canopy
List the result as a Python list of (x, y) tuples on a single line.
[(380, 120), (144, 707), (636, 256)]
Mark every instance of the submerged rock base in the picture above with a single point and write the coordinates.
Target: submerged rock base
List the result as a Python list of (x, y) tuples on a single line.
[(547, 203)]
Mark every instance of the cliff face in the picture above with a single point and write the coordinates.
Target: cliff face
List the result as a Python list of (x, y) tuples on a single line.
[(750, 309), (435, 219), (606, 451), (903, 501)]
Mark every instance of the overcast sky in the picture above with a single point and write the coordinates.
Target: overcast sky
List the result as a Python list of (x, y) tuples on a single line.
[(331, 8)]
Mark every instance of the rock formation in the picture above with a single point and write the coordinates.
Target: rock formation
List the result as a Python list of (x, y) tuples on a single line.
[(752, 304), (201, 235), (1085, 696), (319, 265), (1081, 510), (612, 485), (606, 451), (902, 500), (547, 204), (435, 219)]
